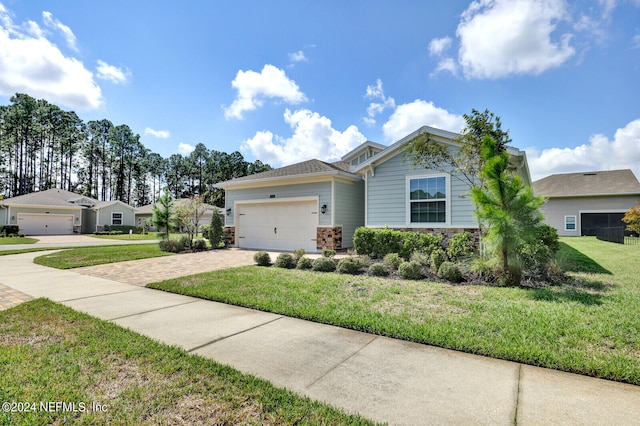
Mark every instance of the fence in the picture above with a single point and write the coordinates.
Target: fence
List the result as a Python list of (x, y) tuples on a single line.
[(617, 235)]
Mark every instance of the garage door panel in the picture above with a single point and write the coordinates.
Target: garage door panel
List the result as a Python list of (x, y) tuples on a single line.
[(45, 224), (278, 226)]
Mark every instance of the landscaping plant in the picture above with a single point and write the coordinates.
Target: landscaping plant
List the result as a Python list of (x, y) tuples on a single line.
[(411, 270), (285, 260), (262, 258), (162, 213), (324, 264)]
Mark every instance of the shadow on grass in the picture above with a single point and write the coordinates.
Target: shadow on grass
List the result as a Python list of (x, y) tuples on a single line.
[(566, 294), (573, 260)]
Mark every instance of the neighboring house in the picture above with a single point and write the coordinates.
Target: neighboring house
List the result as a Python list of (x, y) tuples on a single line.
[(144, 214), (580, 203), (315, 205), (56, 211)]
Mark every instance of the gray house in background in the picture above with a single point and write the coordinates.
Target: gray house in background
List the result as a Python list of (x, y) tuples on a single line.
[(315, 205), (580, 203), (56, 211)]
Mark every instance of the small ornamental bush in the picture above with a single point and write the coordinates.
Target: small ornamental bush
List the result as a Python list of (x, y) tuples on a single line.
[(324, 264), (349, 265), (285, 260), (461, 246), (262, 258), (304, 263), (9, 229), (410, 270), (378, 270), (450, 271), (392, 260), (172, 246), (419, 242), (298, 253), (199, 244), (328, 253), (437, 257), (422, 258)]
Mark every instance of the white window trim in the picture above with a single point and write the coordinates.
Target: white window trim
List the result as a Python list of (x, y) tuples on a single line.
[(447, 200), (121, 218), (575, 223)]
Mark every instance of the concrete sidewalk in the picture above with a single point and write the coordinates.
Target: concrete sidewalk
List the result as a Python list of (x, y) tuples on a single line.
[(383, 379)]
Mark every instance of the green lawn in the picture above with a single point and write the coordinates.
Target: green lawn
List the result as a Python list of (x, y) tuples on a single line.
[(127, 237), (591, 326), (98, 255), (59, 355), (17, 240)]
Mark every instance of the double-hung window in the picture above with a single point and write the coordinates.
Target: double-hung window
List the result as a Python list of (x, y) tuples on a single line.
[(116, 218), (427, 199), (570, 223)]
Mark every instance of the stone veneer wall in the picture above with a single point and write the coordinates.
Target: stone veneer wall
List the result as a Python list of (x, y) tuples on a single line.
[(329, 238), (229, 235)]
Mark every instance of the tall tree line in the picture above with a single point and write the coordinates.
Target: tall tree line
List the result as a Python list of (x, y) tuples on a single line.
[(43, 147)]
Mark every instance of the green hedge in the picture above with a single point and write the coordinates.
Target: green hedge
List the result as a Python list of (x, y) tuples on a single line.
[(378, 242), (124, 228), (9, 229)]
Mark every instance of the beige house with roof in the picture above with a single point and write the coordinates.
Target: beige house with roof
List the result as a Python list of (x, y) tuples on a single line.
[(56, 212), (580, 203)]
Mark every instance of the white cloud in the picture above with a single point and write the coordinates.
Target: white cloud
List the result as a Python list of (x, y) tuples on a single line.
[(411, 116), (112, 73), (503, 37), (185, 148), (438, 46), (68, 35), (447, 64), (298, 56), (161, 134), (254, 87), (377, 93), (30, 63), (635, 41), (313, 137), (623, 152)]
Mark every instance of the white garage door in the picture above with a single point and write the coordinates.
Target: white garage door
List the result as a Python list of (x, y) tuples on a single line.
[(45, 224), (278, 226)]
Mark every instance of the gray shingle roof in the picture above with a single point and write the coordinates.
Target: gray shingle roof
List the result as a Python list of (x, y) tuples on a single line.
[(303, 168), (610, 182), (50, 197)]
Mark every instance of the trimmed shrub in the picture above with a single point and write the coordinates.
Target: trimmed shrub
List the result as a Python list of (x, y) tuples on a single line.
[(450, 271), (304, 263), (549, 236), (379, 270), (421, 257), (460, 246), (437, 258), (216, 230), (285, 260), (410, 270), (262, 258), (186, 241), (392, 260), (124, 229), (328, 253), (324, 264), (349, 265), (172, 246), (199, 245), (378, 242), (9, 229), (298, 253)]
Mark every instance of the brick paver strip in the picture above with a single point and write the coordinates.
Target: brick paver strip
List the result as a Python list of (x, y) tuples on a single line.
[(10, 297)]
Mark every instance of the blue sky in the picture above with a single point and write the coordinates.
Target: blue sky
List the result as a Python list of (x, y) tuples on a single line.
[(286, 81)]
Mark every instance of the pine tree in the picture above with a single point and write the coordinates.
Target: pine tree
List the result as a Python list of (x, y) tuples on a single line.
[(162, 214)]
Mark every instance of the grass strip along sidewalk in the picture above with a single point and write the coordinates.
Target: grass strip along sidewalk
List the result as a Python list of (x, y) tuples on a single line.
[(591, 326), (105, 374), (98, 255)]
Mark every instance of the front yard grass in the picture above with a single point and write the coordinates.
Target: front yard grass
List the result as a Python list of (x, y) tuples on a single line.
[(98, 255), (58, 355), (17, 240), (590, 326)]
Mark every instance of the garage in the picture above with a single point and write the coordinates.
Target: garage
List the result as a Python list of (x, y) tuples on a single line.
[(45, 224), (278, 225)]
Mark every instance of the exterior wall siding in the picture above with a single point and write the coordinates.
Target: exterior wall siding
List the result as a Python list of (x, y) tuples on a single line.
[(349, 209), (387, 195), (104, 215), (555, 209), (3, 216), (320, 189)]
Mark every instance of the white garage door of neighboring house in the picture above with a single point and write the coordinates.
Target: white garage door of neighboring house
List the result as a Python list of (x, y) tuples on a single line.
[(45, 224), (278, 226)]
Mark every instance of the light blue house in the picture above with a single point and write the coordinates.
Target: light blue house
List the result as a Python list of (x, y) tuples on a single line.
[(315, 205)]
